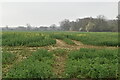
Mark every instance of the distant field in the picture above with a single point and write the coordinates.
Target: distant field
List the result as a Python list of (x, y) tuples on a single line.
[(60, 54)]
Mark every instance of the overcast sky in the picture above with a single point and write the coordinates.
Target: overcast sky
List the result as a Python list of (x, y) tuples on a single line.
[(47, 13)]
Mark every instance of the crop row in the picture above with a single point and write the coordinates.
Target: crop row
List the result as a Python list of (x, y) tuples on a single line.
[(38, 65), (63, 37), (28, 39), (8, 58), (92, 63), (83, 63), (101, 39), (43, 39)]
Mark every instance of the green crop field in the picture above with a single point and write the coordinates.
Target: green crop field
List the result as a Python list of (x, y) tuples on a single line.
[(60, 54)]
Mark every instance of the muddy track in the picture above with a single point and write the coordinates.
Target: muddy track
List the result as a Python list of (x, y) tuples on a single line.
[(59, 66)]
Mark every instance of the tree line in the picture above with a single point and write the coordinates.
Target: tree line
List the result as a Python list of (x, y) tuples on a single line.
[(89, 24)]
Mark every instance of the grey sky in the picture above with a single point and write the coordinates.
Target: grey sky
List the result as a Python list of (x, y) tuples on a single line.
[(47, 13)]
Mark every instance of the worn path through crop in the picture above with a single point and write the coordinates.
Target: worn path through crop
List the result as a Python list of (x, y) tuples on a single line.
[(60, 60)]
